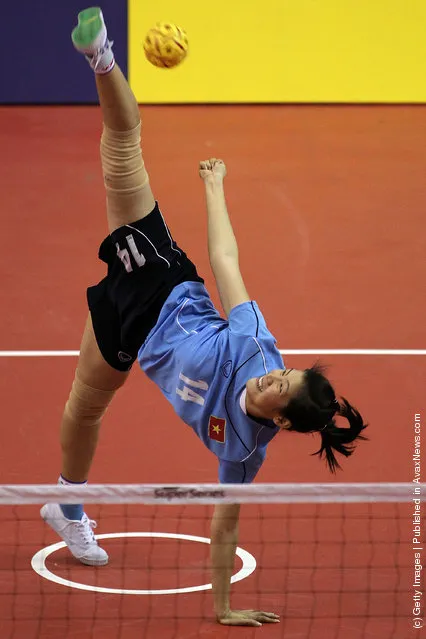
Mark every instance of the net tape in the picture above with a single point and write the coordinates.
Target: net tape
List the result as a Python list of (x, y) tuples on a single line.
[(213, 493)]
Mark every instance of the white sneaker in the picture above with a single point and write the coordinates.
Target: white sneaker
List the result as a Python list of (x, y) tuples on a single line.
[(78, 535), (90, 37)]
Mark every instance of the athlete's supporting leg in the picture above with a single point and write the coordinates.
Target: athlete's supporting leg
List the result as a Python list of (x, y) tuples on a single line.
[(94, 386)]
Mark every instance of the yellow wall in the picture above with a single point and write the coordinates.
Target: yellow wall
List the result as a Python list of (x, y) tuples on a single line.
[(285, 51)]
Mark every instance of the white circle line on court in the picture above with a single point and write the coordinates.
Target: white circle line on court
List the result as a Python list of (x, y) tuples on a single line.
[(38, 563)]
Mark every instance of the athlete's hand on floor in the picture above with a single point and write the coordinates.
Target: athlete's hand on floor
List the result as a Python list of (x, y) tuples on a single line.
[(247, 618), (212, 168)]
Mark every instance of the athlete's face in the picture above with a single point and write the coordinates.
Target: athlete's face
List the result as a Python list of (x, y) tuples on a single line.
[(268, 395)]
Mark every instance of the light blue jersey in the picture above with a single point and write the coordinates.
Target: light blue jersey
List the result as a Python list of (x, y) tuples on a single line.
[(201, 363)]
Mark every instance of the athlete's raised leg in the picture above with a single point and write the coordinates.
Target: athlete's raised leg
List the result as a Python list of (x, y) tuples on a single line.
[(129, 195)]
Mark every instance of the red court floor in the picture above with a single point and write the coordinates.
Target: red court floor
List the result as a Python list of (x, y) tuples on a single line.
[(328, 205)]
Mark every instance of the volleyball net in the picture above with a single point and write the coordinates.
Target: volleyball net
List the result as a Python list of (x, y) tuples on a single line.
[(333, 560)]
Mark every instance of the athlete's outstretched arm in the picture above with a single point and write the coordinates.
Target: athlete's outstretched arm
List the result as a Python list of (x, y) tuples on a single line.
[(224, 537), (223, 249)]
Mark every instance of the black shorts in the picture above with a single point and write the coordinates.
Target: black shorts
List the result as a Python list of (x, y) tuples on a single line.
[(144, 265)]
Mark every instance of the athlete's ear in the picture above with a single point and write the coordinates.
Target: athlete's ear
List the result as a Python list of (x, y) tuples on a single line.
[(281, 422)]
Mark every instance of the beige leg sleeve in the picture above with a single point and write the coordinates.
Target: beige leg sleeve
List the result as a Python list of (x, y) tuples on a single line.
[(129, 195), (86, 405)]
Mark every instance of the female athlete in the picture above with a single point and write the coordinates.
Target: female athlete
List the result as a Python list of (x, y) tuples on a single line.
[(224, 378)]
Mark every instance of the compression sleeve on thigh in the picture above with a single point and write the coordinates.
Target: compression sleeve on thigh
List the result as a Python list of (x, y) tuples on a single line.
[(122, 162)]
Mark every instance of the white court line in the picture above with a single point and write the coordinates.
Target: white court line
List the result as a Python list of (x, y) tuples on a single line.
[(38, 563), (39, 353), (289, 351)]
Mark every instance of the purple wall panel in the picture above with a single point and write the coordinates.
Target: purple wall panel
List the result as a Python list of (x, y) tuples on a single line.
[(38, 61)]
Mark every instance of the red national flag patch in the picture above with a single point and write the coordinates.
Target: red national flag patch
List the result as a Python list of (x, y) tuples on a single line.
[(217, 429)]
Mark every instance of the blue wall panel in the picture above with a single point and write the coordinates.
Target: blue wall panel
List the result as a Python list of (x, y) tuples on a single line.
[(38, 61)]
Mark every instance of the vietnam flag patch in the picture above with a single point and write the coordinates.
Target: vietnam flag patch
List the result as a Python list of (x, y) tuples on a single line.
[(217, 429)]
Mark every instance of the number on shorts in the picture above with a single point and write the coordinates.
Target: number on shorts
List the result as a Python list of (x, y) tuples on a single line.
[(188, 394), (124, 256)]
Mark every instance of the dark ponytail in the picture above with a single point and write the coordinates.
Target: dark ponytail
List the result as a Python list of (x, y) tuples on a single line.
[(314, 409), (340, 439)]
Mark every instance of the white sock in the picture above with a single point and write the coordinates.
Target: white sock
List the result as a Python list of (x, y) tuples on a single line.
[(62, 481), (102, 61)]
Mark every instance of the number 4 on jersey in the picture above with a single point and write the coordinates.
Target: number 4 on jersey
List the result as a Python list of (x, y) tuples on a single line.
[(188, 394)]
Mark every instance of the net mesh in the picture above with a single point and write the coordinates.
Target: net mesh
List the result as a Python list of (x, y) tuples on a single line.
[(335, 561)]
